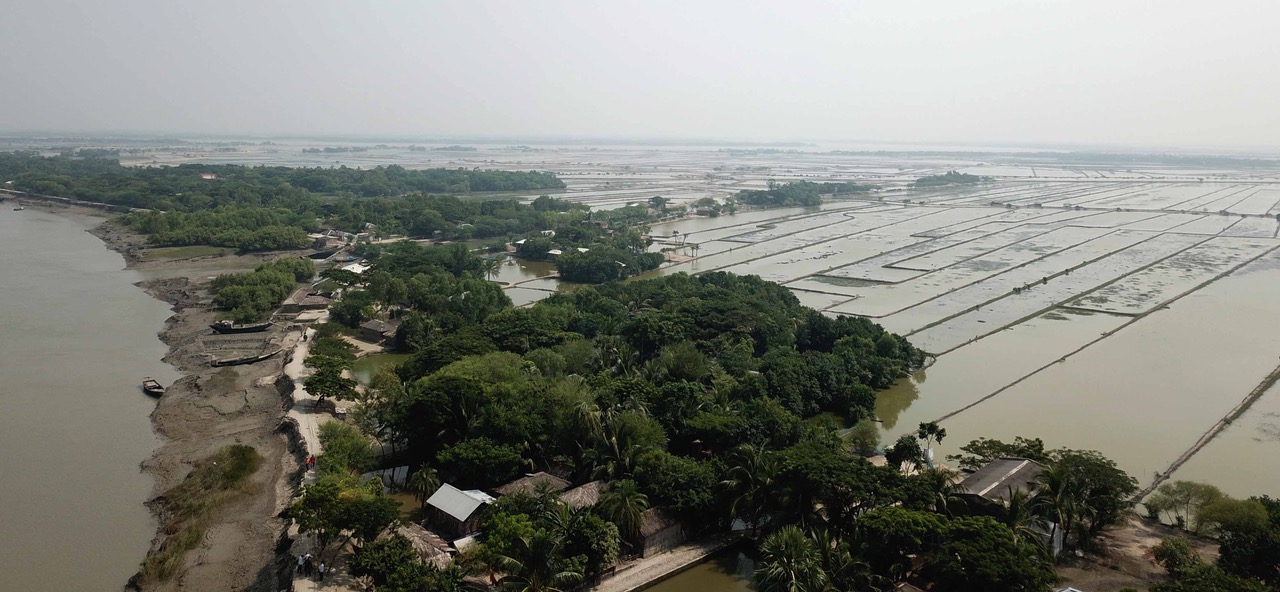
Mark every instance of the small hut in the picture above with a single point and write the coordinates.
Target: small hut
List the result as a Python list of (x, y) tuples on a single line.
[(455, 512), (659, 532), (533, 484), (432, 549), (584, 496)]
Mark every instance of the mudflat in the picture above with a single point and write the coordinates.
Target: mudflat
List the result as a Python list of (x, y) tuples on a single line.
[(210, 408)]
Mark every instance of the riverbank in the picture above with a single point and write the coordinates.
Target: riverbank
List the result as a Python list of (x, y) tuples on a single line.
[(210, 408)]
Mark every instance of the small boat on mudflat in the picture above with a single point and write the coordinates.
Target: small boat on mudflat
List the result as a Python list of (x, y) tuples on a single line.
[(244, 359), (230, 327), (151, 387)]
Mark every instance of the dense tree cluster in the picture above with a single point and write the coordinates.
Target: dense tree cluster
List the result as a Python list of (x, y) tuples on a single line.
[(591, 253), (183, 187), (950, 178), (251, 296), (244, 228), (706, 396), (796, 193)]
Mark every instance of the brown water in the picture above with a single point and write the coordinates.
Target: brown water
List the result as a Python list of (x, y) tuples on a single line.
[(725, 571), (76, 339)]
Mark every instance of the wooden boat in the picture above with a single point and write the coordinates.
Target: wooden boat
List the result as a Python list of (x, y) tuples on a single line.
[(230, 327), (244, 359), (151, 387)]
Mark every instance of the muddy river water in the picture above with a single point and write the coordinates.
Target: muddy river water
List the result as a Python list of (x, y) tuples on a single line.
[(76, 339)]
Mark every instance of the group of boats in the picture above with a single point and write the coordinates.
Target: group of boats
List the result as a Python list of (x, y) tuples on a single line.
[(152, 387)]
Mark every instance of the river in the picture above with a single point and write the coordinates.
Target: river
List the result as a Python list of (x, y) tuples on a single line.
[(78, 337)]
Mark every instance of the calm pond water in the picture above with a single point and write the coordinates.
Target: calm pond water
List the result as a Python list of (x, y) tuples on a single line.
[(366, 367), (78, 339), (726, 571)]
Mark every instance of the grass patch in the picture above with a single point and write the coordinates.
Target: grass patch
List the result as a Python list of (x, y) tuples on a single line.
[(184, 252), (190, 505)]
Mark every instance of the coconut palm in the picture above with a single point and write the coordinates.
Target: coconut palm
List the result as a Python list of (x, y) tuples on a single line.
[(534, 564), (423, 483), (1057, 499), (1021, 517), (624, 506), (749, 486), (844, 572), (945, 484), (491, 267), (790, 562)]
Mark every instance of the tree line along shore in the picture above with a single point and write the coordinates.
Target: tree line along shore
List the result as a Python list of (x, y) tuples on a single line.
[(707, 404)]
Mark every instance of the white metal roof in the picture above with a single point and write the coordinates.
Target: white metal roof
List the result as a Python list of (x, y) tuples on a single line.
[(457, 503)]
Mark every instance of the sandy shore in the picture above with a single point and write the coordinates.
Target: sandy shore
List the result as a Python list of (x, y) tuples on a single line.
[(209, 408)]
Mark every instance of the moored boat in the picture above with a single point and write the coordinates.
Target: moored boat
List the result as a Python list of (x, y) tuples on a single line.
[(151, 387), (230, 327), (244, 359)]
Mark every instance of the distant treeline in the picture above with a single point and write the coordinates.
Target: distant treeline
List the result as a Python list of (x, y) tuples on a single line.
[(1086, 158), (951, 178), (797, 193), (443, 217), (187, 188)]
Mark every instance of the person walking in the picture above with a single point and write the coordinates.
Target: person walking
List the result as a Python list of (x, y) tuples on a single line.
[(323, 568), (302, 558), (307, 566)]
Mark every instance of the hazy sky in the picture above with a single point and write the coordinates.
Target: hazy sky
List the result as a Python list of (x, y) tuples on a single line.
[(1037, 71)]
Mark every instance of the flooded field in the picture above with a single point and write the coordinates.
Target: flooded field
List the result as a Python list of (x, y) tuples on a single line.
[(1120, 306)]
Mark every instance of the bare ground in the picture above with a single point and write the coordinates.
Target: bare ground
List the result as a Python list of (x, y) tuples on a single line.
[(209, 408), (1126, 558)]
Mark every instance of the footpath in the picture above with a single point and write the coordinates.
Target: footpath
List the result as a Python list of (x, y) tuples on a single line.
[(309, 418)]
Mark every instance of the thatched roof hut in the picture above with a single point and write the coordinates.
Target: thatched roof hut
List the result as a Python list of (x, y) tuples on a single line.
[(432, 549), (533, 484), (585, 495)]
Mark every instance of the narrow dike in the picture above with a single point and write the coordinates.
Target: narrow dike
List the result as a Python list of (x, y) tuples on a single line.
[(1213, 432)]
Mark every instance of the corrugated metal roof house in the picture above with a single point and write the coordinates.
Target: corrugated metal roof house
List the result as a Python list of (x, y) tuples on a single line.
[(455, 511), (996, 479)]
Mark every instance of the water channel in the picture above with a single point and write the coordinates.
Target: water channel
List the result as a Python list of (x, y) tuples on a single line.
[(725, 571), (77, 339)]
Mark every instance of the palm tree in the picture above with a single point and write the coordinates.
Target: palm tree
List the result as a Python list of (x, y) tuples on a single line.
[(946, 489), (750, 485), (423, 483), (491, 268), (1057, 499), (843, 570), (616, 451), (565, 521), (534, 565), (1020, 516), (624, 506), (790, 562)]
